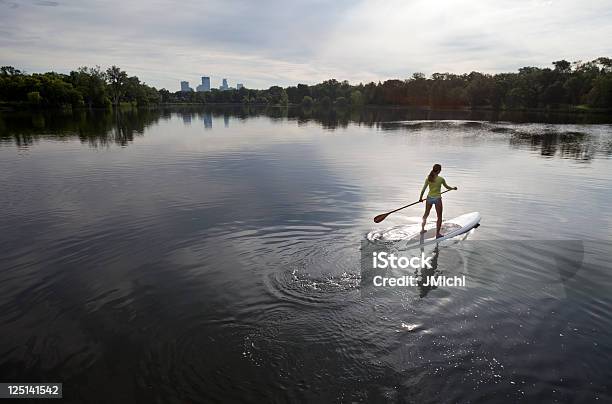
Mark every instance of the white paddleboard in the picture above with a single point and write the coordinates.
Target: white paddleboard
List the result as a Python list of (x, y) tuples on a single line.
[(412, 233)]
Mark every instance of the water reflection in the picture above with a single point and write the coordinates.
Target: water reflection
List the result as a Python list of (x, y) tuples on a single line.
[(102, 128), (425, 273), (97, 128), (572, 145), (207, 119)]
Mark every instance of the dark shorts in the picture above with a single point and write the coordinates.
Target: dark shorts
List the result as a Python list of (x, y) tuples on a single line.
[(434, 200)]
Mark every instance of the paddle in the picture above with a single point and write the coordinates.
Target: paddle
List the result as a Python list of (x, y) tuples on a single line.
[(383, 216)]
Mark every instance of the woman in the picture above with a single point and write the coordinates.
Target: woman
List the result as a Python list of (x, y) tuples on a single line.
[(434, 197)]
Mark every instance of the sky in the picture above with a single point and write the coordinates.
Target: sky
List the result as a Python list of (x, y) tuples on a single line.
[(284, 42)]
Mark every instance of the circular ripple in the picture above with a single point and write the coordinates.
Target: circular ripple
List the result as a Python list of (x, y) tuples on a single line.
[(323, 276)]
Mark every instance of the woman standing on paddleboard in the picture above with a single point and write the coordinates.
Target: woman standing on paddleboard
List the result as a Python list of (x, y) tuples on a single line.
[(434, 181)]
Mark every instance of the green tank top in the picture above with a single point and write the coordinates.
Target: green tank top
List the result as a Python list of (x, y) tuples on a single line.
[(434, 186)]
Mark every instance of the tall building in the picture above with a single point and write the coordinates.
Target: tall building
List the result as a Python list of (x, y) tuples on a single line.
[(205, 86), (239, 86), (224, 85), (185, 87)]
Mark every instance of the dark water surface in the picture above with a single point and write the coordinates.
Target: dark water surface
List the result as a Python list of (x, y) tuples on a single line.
[(212, 256)]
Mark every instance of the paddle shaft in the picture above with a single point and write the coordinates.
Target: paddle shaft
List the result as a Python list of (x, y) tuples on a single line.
[(413, 203)]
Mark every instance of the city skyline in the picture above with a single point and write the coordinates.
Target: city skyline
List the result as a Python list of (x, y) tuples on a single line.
[(356, 41), (206, 86)]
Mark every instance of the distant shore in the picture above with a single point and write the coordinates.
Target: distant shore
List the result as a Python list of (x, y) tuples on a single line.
[(568, 109), (566, 86)]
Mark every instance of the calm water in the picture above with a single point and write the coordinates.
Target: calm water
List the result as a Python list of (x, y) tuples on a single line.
[(192, 255)]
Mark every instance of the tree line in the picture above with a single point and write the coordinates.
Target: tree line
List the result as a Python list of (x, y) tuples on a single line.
[(584, 84), (86, 87)]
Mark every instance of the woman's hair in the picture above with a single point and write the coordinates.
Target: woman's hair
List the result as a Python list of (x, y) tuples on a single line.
[(436, 170)]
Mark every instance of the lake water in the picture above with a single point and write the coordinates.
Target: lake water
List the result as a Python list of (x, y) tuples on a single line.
[(191, 255)]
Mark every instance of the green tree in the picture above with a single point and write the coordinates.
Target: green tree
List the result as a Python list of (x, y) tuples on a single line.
[(10, 71), (90, 83), (480, 89), (34, 98), (150, 96), (447, 90), (164, 95), (562, 66), (55, 90), (303, 90), (575, 87), (601, 93), (325, 102), (293, 94), (261, 99), (606, 64), (277, 96), (357, 98), (417, 90), (134, 91), (117, 81), (307, 101), (554, 94), (341, 102)]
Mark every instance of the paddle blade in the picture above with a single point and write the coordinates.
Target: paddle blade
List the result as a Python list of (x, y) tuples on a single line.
[(380, 218)]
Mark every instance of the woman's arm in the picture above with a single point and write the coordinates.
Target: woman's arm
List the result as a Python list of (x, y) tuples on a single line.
[(446, 186), (423, 190)]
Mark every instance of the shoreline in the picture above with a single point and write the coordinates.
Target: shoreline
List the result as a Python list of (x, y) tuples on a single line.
[(572, 109)]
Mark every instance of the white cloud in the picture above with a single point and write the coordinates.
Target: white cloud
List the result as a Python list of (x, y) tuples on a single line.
[(279, 42)]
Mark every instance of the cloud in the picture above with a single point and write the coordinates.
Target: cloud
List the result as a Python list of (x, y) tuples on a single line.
[(46, 3), (278, 42)]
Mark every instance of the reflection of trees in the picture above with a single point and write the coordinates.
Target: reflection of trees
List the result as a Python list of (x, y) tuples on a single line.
[(104, 127), (95, 127), (570, 145), (332, 118)]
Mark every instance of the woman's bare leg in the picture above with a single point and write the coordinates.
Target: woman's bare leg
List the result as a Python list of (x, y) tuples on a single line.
[(439, 208), (427, 209)]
